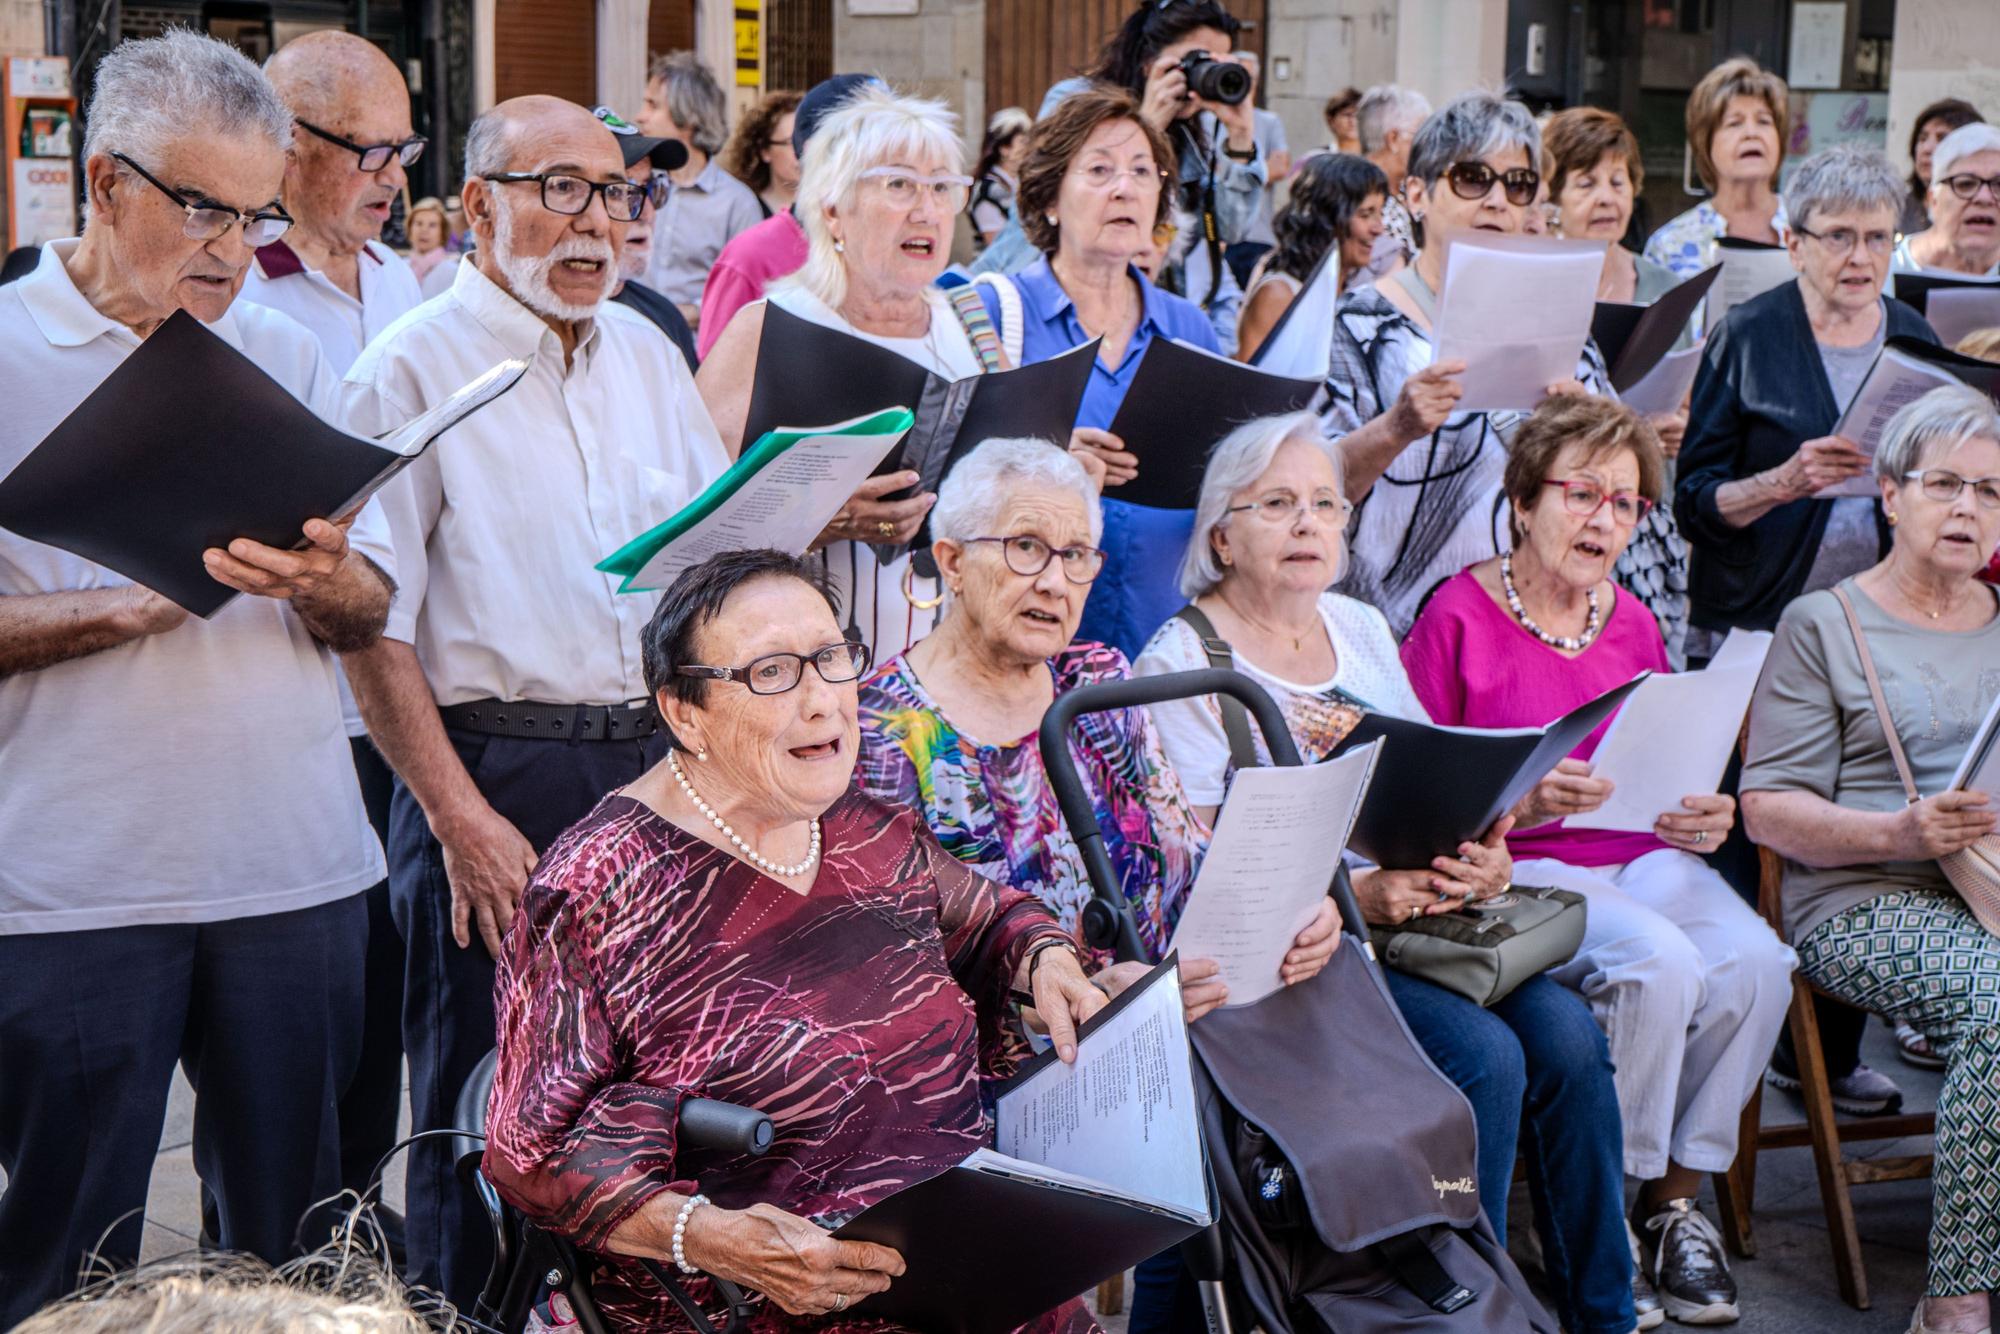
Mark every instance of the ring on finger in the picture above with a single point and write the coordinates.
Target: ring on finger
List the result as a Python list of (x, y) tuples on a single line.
[(1700, 837), (840, 1301), (885, 528)]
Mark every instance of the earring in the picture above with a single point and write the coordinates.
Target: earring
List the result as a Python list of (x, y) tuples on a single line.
[(839, 246), (1892, 518), (1053, 222), (701, 756)]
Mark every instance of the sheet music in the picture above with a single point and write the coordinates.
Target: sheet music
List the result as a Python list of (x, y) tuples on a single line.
[(1124, 1113), (1661, 390), (1674, 735), (1979, 770), (1894, 381), (1517, 310), (1276, 845), (1746, 272)]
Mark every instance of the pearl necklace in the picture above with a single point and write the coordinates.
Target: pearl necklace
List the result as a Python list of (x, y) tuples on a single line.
[(1568, 643), (749, 853)]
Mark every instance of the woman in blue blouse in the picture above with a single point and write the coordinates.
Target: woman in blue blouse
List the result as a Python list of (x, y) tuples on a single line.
[(1092, 191)]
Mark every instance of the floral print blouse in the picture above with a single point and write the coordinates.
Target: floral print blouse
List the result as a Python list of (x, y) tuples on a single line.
[(1687, 244)]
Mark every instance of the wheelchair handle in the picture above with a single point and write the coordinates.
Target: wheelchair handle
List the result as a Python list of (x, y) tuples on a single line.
[(724, 1126)]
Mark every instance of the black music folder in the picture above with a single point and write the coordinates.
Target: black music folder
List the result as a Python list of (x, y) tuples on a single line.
[(1436, 787), (997, 1240), (807, 372), (1634, 338), (189, 445), (1181, 401)]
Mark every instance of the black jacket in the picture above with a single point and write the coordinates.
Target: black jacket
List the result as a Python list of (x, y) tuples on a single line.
[(1762, 393)]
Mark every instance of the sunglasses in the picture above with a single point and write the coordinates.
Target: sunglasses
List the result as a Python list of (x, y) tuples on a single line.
[(1472, 180)]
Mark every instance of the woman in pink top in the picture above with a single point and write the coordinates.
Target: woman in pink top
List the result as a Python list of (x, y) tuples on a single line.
[(1690, 985)]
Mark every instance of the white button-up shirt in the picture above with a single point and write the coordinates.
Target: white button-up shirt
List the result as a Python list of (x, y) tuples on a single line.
[(498, 525), (192, 776), (278, 278)]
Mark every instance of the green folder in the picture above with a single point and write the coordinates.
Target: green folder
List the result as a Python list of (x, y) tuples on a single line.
[(631, 558)]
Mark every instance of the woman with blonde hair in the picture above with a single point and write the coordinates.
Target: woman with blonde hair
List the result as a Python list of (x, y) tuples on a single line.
[(1738, 118), (429, 231)]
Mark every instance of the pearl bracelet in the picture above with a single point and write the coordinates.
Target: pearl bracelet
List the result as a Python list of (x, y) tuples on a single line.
[(680, 1232)]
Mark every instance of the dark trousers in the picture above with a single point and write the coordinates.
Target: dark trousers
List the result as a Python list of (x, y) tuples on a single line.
[(373, 1102), (262, 1014), (543, 787)]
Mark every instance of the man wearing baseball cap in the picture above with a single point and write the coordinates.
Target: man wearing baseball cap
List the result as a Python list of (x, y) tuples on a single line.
[(647, 162)]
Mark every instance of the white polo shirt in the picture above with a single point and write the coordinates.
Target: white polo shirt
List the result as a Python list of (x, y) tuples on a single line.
[(192, 776), (498, 525), (278, 278)]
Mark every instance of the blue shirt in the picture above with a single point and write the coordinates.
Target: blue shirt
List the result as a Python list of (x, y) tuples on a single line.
[(1139, 586)]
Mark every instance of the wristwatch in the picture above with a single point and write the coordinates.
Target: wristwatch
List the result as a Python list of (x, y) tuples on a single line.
[(1247, 155)]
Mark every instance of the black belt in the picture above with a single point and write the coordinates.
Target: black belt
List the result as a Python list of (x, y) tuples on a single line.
[(554, 722)]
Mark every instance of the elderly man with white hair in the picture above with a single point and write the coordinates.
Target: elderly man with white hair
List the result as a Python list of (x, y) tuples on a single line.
[(508, 693), (1964, 200), (185, 843), (1387, 120)]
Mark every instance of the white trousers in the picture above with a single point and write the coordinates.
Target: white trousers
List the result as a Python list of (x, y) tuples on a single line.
[(1690, 987)]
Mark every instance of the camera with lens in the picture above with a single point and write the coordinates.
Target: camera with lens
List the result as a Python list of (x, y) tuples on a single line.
[(1213, 80)]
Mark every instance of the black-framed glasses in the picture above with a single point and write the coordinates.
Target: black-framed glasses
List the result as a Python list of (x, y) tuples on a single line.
[(570, 195), (775, 673), (1842, 240), (1965, 185), (373, 157), (1028, 556), (1584, 499), (209, 219), (1471, 180), (1331, 511), (1943, 486)]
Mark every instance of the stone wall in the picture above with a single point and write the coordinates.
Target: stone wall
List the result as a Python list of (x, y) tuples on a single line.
[(939, 51), (1324, 46), (1944, 48), (21, 32)]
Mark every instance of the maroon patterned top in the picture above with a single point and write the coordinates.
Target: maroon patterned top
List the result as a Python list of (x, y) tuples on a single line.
[(646, 966)]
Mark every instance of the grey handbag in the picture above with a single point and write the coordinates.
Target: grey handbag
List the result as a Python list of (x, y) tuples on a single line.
[(1486, 949)]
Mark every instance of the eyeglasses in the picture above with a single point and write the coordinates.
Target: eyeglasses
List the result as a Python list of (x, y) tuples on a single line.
[(1471, 180), (948, 191), (208, 220), (1329, 510), (570, 195), (775, 673), (657, 188), (1943, 486), (1586, 498), (1965, 185), (1028, 556), (1842, 240), (373, 157), (1103, 176)]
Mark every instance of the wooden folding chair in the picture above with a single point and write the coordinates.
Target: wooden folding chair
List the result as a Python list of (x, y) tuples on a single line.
[(1735, 1190)]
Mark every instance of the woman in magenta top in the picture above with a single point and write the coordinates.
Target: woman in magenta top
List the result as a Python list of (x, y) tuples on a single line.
[(1690, 985)]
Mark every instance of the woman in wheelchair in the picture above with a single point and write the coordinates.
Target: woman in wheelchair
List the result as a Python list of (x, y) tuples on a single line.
[(739, 924)]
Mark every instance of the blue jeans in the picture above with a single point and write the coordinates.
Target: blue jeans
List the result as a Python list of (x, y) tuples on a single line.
[(1538, 1074)]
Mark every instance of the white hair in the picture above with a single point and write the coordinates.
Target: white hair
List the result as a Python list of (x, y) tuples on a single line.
[(1946, 415), (489, 145), (154, 91), (1387, 107), (1240, 458), (976, 491), (1845, 178), (1962, 143), (876, 126)]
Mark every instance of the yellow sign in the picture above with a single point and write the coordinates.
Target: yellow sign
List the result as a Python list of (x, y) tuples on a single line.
[(749, 46)]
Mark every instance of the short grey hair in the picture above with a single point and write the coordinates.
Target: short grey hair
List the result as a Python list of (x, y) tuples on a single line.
[(1962, 143), (1944, 416), (875, 126), (694, 99), (1239, 459), (1387, 107), (489, 144), (152, 91), (976, 491), (1472, 126), (1842, 179)]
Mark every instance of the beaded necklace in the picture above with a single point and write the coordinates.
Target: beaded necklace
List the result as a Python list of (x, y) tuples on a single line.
[(1567, 643), (770, 867)]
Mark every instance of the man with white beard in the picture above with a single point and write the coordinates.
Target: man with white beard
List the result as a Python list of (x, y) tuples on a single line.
[(507, 691)]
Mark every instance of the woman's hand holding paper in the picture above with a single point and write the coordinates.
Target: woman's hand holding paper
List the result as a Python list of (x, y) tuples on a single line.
[(1485, 866), (1313, 947), (1202, 987), (1426, 399), (867, 517), (1702, 827), (1569, 790), (1114, 465)]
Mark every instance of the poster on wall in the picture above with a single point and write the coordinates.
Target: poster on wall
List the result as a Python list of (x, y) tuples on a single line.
[(1819, 44), (42, 198)]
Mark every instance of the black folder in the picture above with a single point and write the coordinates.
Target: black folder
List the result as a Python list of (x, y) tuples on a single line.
[(1914, 289), (187, 445), (807, 372), (1181, 401), (1437, 787), (1634, 338), (988, 1248)]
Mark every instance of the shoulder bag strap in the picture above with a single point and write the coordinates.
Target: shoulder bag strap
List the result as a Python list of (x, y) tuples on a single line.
[(1875, 693), (972, 314), (1235, 718), (1012, 327)]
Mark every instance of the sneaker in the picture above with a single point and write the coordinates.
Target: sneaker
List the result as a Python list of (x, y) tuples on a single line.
[(1863, 1091), (1645, 1302), (1915, 1049), (1683, 1258)]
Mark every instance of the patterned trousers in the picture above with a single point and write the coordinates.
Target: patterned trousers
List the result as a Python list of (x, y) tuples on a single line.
[(1920, 956)]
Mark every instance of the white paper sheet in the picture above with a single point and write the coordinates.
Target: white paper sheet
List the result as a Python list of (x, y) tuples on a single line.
[(1124, 1113), (1517, 310), (1980, 768), (1895, 380), (1661, 390), (1276, 845), (1745, 274), (785, 506), (1955, 312), (1673, 737)]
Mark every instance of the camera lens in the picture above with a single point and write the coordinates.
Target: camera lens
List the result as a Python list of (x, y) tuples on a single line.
[(1215, 80)]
